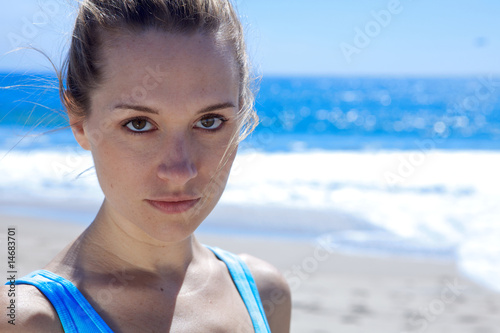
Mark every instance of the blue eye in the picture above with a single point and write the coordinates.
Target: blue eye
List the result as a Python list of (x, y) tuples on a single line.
[(139, 125), (211, 122)]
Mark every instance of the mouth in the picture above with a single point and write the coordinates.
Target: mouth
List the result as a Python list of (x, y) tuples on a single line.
[(173, 207)]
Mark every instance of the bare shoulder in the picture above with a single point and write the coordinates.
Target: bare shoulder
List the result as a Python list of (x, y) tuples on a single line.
[(274, 292), (31, 311)]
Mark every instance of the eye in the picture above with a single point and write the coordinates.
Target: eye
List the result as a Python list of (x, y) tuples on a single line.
[(211, 122), (139, 125)]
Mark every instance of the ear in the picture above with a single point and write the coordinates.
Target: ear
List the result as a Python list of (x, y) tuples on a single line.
[(77, 124)]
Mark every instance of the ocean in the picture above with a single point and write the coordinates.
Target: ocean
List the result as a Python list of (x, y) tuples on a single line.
[(372, 166)]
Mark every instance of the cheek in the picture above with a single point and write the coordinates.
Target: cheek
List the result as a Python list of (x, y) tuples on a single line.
[(112, 151), (118, 168), (210, 158), (213, 149), (217, 186)]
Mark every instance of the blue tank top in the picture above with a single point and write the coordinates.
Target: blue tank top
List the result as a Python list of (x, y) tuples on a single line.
[(77, 315)]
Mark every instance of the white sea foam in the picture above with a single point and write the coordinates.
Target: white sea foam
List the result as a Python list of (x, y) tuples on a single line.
[(435, 202)]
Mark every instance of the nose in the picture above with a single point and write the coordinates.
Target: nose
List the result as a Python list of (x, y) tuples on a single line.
[(176, 165)]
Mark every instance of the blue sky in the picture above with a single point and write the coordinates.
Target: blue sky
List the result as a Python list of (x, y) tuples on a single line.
[(316, 37)]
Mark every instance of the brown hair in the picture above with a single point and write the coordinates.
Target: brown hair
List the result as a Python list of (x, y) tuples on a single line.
[(81, 73)]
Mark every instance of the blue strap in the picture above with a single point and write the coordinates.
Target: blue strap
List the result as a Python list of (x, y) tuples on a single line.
[(246, 286), (74, 311), (78, 316)]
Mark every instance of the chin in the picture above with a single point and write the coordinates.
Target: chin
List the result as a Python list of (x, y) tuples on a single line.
[(172, 229)]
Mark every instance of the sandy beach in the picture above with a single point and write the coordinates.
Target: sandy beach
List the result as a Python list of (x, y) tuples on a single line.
[(331, 292)]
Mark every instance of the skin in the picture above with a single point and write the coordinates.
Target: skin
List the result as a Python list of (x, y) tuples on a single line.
[(141, 269)]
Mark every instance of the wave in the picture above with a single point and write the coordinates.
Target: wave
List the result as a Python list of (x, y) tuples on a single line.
[(446, 205)]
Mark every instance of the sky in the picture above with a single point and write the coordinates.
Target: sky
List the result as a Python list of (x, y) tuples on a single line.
[(308, 38)]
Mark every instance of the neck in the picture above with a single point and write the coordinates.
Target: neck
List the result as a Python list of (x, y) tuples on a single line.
[(121, 245)]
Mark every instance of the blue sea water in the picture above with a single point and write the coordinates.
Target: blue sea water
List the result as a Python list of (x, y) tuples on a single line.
[(373, 165), (382, 113)]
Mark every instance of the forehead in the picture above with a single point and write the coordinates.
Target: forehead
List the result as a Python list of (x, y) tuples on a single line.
[(165, 67)]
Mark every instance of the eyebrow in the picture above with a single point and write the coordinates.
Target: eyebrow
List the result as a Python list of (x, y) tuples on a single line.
[(219, 106)]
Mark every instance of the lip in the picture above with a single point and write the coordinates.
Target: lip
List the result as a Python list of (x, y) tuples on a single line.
[(174, 206)]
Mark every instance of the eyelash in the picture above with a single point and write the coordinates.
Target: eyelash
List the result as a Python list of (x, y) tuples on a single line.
[(207, 116), (128, 121), (211, 116)]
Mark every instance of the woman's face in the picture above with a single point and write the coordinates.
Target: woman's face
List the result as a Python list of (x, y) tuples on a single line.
[(158, 127)]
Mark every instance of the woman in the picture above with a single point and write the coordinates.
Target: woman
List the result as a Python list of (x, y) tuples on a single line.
[(158, 91)]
